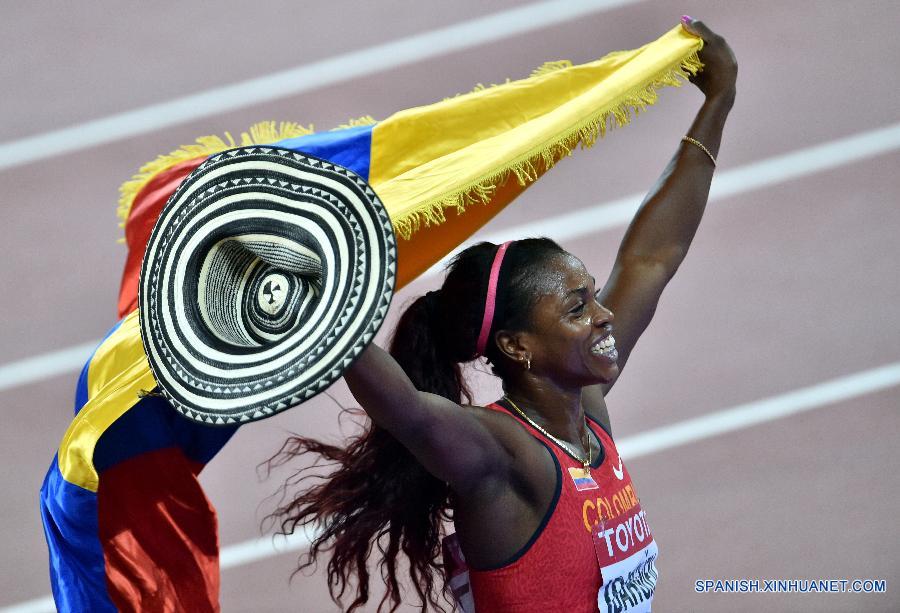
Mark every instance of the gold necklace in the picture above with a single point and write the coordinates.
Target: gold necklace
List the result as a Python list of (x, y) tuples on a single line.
[(563, 444)]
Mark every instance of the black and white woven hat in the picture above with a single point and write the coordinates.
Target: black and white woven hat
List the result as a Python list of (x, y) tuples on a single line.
[(266, 275)]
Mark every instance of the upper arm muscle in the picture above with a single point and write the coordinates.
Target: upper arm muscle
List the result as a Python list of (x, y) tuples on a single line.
[(455, 443)]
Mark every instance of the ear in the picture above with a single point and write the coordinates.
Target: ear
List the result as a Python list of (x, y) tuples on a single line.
[(514, 345)]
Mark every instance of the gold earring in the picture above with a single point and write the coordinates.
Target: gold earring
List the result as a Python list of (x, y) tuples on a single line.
[(527, 363)]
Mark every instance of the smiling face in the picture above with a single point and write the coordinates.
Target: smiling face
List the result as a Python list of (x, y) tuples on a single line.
[(569, 340)]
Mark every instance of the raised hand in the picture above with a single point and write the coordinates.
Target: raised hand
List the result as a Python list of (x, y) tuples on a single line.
[(720, 66)]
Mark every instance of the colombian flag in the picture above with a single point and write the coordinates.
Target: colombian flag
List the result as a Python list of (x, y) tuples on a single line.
[(127, 524)]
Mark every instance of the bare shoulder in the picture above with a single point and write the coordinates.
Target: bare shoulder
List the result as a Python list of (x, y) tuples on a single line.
[(504, 427), (529, 458)]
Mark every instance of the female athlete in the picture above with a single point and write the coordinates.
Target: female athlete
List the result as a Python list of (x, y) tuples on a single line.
[(546, 515)]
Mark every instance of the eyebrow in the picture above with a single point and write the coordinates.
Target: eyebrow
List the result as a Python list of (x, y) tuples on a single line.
[(582, 289)]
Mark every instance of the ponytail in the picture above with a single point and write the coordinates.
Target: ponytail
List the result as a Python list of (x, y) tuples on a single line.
[(378, 492), (423, 352)]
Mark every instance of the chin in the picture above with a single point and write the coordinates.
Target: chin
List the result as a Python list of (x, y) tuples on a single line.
[(609, 374)]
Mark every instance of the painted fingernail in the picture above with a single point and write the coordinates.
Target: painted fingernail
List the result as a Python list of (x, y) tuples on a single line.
[(686, 19)]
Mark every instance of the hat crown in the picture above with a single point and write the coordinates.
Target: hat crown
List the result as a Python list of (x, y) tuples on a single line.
[(254, 289)]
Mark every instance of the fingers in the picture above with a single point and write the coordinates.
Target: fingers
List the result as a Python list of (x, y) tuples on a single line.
[(716, 45), (698, 28)]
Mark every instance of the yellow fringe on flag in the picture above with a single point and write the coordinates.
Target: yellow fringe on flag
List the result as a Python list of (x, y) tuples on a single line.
[(365, 120), (479, 87), (260, 133), (548, 67)]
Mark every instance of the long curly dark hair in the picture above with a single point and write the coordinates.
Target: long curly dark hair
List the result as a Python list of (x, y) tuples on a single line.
[(378, 495)]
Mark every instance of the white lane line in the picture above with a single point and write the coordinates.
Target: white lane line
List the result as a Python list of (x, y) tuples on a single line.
[(43, 604), (760, 411), (264, 547), (577, 224), (631, 447), (302, 79), (45, 366)]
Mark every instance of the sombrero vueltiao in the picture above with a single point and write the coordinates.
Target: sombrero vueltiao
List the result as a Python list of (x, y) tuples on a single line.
[(266, 275)]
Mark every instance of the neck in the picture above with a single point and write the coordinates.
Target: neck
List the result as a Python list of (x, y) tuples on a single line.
[(558, 411)]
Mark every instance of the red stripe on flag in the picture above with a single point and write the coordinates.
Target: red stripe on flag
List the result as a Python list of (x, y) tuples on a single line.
[(159, 535), (144, 212)]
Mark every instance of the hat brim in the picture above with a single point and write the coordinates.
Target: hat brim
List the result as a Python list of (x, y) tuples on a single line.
[(267, 273)]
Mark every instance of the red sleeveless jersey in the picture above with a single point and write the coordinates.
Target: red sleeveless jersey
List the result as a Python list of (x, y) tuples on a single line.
[(593, 549)]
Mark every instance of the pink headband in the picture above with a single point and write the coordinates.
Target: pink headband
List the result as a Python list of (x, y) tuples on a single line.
[(490, 300)]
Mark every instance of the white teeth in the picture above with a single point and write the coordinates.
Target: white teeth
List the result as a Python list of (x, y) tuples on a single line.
[(604, 346)]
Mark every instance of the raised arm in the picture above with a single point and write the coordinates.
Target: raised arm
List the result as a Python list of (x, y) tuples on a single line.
[(658, 238), (454, 443)]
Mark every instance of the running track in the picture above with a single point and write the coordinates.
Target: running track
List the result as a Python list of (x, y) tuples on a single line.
[(778, 337)]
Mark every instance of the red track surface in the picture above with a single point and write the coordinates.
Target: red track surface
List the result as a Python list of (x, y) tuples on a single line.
[(786, 286)]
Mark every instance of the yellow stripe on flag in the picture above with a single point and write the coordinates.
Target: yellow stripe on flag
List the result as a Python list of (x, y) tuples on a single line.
[(118, 372)]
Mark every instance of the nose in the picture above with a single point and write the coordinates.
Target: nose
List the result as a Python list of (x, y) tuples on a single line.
[(602, 316)]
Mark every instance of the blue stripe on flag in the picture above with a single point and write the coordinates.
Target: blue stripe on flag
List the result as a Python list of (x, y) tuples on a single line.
[(77, 567), (349, 147), (153, 424), (81, 388)]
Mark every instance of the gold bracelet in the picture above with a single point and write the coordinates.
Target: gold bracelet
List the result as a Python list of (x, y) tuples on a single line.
[(692, 141)]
